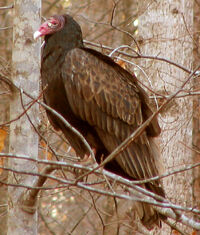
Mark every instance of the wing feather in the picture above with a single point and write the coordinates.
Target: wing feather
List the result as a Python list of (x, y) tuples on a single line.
[(98, 94)]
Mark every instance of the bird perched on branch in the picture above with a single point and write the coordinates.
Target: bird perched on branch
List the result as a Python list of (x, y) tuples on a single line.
[(103, 102)]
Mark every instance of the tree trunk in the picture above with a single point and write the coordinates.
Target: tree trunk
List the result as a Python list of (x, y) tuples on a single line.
[(4, 111), (4, 117), (196, 108), (23, 138), (165, 30)]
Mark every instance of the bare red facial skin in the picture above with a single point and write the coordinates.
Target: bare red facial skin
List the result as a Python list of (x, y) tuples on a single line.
[(49, 27)]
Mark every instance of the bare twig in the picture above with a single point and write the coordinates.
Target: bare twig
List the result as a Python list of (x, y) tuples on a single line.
[(37, 130), (6, 28), (46, 224), (51, 6), (140, 56), (168, 212), (81, 168), (116, 178), (29, 198), (173, 172), (7, 7), (24, 112), (81, 218), (121, 30), (173, 226), (97, 211), (189, 93), (71, 128), (182, 219), (67, 124)]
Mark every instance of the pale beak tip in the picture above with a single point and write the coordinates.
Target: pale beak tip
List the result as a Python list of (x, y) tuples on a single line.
[(37, 34)]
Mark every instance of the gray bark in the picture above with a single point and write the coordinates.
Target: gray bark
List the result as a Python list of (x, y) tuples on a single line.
[(23, 138), (164, 31), (196, 107), (4, 117), (4, 113)]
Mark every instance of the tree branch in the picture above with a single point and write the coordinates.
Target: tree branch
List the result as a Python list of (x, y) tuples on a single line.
[(7, 7), (29, 198), (139, 56)]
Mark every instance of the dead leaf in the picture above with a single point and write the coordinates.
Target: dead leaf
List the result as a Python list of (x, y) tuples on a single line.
[(3, 134), (121, 63), (194, 233), (46, 153), (174, 232)]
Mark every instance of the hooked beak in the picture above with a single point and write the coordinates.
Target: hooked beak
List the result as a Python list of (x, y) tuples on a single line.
[(37, 34)]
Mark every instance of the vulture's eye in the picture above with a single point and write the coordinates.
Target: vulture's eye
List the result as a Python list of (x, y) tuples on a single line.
[(52, 24)]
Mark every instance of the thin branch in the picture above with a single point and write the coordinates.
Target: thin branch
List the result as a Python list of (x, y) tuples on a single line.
[(24, 112), (113, 12), (30, 187), (140, 56), (169, 173), (46, 224), (82, 168), (7, 7), (182, 219), (116, 178), (173, 226), (36, 128), (187, 29), (67, 124), (189, 93), (6, 28), (81, 218), (118, 48), (119, 29), (51, 6), (97, 211), (29, 197), (149, 89), (168, 212)]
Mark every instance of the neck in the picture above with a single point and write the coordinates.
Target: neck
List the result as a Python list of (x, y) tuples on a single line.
[(69, 37), (57, 45)]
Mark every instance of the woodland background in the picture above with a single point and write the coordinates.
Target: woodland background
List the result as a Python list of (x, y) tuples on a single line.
[(156, 40)]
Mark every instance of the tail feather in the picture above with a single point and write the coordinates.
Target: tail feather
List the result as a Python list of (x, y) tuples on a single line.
[(140, 160), (150, 217), (147, 214)]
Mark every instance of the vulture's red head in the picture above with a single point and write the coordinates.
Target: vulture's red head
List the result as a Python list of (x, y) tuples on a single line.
[(52, 25), (60, 30)]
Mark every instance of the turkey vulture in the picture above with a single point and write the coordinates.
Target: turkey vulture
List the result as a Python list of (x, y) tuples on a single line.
[(102, 101)]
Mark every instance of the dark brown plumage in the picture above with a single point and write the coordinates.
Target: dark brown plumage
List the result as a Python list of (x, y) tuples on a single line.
[(101, 100)]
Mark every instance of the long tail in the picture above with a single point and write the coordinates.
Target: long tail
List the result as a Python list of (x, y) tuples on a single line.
[(147, 214), (140, 160)]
